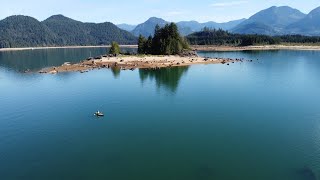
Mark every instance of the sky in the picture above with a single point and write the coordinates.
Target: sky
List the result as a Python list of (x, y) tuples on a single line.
[(138, 11)]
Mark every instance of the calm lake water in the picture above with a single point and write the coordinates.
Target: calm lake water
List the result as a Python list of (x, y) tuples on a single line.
[(246, 121)]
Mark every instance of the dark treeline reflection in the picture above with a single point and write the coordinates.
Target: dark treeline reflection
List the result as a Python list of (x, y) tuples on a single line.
[(167, 78), (116, 72), (41, 58)]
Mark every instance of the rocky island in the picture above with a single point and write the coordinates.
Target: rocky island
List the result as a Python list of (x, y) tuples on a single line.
[(165, 49), (131, 62)]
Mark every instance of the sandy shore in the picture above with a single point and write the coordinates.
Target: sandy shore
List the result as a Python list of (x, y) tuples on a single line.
[(64, 47), (257, 48), (136, 62)]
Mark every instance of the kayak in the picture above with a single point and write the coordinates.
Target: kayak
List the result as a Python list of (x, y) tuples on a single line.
[(99, 114)]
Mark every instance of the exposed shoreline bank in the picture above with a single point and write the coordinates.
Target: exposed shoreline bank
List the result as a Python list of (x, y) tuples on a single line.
[(133, 62), (194, 47), (254, 48)]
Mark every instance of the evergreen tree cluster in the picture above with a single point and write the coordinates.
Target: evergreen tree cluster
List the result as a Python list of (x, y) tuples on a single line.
[(166, 41), (220, 37), (299, 39)]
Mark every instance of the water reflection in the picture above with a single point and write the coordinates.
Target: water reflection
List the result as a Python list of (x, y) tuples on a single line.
[(167, 78), (40, 58), (116, 72)]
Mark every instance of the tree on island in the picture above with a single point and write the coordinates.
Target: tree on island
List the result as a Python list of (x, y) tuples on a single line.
[(166, 41), (115, 49), (141, 45)]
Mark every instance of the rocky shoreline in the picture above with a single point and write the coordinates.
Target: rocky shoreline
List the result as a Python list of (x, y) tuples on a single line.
[(132, 62)]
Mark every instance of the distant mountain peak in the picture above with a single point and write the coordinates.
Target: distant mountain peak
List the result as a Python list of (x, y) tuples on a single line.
[(59, 17), (147, 28), (156, 20), (310, 25), (275, 19), (20, 17), (315, 11)]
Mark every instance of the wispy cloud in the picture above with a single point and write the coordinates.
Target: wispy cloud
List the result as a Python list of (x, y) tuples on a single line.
[(226, 4)]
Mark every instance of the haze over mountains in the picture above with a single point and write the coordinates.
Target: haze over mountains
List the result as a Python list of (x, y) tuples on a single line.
[(281, 20), (58, 30), (127, 27), (185, 27), (272, 21), (309, 25)]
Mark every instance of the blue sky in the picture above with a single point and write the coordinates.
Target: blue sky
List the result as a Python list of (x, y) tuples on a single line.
[(137, 11)]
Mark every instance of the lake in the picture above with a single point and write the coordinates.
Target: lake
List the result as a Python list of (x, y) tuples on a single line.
[(255, 120)]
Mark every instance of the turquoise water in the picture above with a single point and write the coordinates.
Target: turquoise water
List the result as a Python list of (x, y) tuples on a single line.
[(258, 120), (37, 59)]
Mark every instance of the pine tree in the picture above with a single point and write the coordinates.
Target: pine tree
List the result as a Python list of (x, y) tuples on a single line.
[(148, 45), (141, 45), (115, 49)]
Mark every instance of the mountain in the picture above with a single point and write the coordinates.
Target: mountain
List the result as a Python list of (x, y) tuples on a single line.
[(255, 28), (71, 32), (310, 25), (147, 28), (25, 31), (188, 27), (230, 25), (68, 30), (274, 19), (127, 27), (185, 27), (22, 31)]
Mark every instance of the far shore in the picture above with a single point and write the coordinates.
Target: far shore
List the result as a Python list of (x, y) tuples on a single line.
[(64, 47), (254, 48), (194, 47)]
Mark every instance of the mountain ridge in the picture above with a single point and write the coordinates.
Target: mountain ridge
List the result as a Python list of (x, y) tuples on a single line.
[(58, 30), (185, 27), (147, 28), (275, 19), (310, 25)]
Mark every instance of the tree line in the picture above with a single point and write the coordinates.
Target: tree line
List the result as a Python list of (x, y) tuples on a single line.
[(221, 37)]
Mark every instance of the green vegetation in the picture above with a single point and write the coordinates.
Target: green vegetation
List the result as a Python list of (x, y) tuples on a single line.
[(220, 37), (166, 41), (115, 49), (299, 39), (24, 31)]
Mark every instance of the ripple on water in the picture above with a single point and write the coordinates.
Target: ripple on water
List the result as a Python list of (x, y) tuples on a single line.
[(306, 173)]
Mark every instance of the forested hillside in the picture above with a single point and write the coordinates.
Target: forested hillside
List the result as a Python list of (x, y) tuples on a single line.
[(221, 37), (24, 31)]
